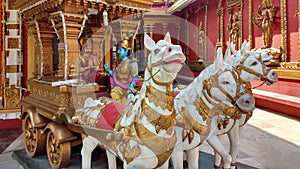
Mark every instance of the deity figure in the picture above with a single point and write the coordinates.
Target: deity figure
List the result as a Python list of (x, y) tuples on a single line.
[(201, 42), (88, 63), (234, 27), (125, 75), (264, 19)]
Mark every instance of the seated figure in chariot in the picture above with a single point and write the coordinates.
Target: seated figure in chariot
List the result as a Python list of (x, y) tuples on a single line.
[(125, 76)]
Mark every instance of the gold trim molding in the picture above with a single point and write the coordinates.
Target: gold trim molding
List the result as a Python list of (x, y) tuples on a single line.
[(283, 20), (220, 24), (231, 3), (250, 33)]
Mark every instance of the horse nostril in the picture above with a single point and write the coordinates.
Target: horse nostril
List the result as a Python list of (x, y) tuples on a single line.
[(170, 50)]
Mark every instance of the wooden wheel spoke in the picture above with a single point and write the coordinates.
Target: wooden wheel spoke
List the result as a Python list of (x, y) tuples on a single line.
[(58, 153), (34, 140)]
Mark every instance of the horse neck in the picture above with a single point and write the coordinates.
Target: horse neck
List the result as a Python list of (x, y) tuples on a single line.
[(158, 93), (200, 105), (156, 108)]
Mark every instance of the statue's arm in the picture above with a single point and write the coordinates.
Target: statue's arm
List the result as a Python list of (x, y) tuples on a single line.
[(110, 72)]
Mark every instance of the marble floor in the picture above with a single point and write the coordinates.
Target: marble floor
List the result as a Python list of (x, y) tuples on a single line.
[(270, 141)]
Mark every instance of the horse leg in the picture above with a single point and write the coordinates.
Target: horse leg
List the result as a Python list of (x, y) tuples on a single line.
[(165, 165), (219, 148), (218, 157), (193, 158), (111, 158), (177, 158), (89, 143), (234, 138)]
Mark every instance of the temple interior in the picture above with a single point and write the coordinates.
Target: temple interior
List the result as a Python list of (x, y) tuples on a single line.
[(57, 54)]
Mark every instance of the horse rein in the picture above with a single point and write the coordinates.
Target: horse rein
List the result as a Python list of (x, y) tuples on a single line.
[(158, 64), (213, 82), (263, 77)]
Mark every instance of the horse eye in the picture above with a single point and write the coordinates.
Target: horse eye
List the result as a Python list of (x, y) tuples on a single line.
[(156, 51), (254, 63), (225, 82)]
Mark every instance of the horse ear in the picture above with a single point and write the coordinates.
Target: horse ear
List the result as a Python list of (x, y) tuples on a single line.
[(168, 37), (245, 48), (149, 43), (248, 46), (219, 59), (227, 57)]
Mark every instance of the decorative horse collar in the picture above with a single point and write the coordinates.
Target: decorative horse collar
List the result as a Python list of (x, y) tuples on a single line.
[(166, 84)]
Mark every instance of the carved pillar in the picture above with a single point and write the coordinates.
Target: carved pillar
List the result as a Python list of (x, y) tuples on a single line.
[(2, 63), (148, 28), (46, 34), (12, 61), (283, 26), (205, 32), (165, 28), (34, 31), (178, 28), (68, 28), (187, 34), (220, 25), (250, 25), (240, 9)]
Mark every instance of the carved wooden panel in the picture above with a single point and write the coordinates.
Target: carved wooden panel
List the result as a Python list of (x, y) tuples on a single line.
[(12, 96), (13, 43)]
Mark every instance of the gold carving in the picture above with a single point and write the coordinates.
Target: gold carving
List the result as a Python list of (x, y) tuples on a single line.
[(162, 147), (220, 25), (265, 19), (161, 99), (13, 43), (232, 3), (234, 27), (235, 21), (277, 55), (12, 26), (158, 120), (12, 96), (283, 27), (250, 24)]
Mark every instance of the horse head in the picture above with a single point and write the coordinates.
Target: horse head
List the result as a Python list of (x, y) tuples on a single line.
[(165, 59), (225, 86), (251, 65)]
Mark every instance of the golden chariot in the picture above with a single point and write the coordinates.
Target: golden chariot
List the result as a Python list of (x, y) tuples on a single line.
[(55, 96)]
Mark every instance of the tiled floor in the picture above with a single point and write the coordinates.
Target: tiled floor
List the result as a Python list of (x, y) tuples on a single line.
[(270, 141), (7, 136)]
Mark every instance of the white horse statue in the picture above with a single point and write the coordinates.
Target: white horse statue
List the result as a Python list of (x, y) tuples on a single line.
[(250, 66), (144, 134), (217, 90)]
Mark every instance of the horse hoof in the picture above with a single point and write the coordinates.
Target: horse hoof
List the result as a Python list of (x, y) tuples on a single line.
[(185, 164), (217, 167)]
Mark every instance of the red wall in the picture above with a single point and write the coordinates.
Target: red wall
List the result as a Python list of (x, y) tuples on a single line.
[(284, 86)]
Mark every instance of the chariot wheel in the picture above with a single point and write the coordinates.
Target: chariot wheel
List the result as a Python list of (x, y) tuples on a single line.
[(59, 154), (34, 140)]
